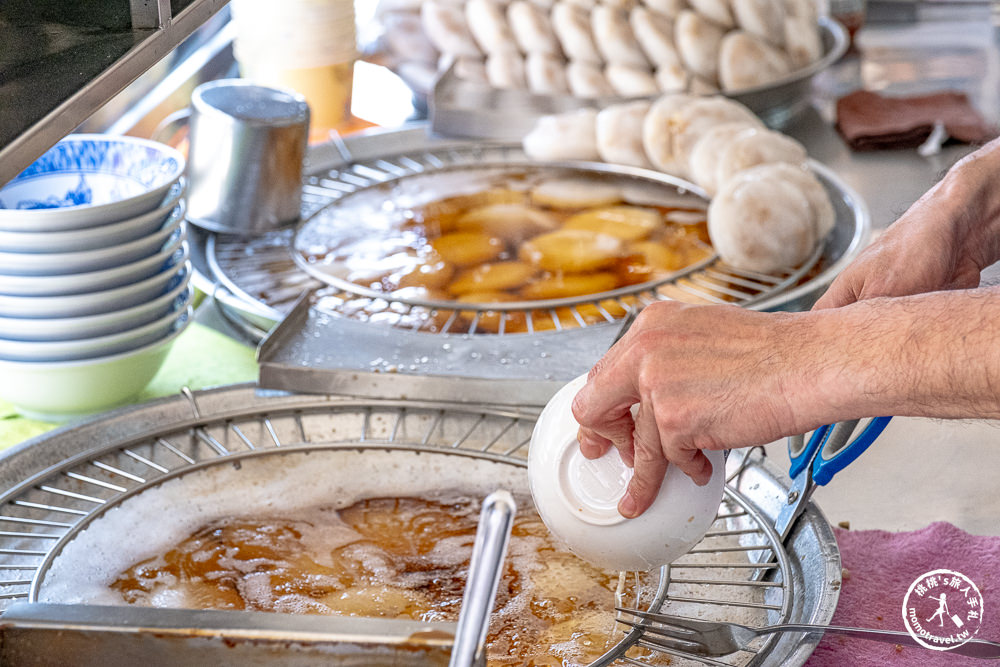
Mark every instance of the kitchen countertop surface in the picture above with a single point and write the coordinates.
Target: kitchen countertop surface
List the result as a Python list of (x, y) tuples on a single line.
[(919, 470)]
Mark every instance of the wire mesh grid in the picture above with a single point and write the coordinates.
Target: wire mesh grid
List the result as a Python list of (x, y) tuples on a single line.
[(43, 513), (261, 270)]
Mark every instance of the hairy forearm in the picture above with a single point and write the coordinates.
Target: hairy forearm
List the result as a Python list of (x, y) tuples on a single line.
[(972, 190), (930, 355)]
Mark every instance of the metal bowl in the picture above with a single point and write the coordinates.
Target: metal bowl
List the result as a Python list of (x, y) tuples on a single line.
[(60, 485), (779, 101), (467, 109)]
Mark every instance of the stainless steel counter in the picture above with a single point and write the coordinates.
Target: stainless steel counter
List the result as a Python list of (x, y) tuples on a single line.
[(919, 470), (945, 49)]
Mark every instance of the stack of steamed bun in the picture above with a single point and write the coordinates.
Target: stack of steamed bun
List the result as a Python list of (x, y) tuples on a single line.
[(605, 48), (768, 212)]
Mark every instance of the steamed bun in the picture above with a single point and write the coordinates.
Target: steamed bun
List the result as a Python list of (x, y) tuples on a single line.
[(705, 157), (566, 136), (619, 134), (760, 220), (757, 146), (746, 61)]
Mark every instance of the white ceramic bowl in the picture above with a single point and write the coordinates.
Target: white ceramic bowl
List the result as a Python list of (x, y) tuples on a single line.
[(75, 240), (578, 498), (62, 390), (45, 264), (90, 326), (92, 281), (87, 180), (93, 303), (88, 348)]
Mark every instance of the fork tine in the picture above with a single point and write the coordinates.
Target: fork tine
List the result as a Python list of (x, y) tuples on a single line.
[(673, 629), (688, 625), (683, 643), (677, 646)]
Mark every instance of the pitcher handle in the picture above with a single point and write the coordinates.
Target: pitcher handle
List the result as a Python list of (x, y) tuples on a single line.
[(171, 124)]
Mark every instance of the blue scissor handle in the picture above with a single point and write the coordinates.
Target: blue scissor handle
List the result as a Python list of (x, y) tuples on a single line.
[(834, 457), (835, 454), (801, 452)]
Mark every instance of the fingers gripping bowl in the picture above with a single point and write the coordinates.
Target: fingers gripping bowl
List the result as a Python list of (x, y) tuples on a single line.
[(578, 498)]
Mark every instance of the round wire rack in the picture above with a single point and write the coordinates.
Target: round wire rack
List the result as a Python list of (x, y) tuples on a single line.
[(739, 565), (261, 270)]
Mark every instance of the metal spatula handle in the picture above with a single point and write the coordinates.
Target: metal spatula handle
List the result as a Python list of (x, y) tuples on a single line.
[(485, 569)]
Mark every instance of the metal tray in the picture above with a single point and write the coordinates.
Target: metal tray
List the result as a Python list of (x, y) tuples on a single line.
[(55, 485), (311, 351), (468, 109)]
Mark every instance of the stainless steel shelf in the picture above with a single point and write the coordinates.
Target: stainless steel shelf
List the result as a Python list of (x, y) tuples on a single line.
[(58, 65)]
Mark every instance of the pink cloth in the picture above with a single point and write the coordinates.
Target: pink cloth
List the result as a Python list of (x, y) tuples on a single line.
[(880, 566)]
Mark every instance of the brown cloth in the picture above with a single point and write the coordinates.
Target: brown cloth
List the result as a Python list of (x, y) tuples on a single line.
[(869, 121)]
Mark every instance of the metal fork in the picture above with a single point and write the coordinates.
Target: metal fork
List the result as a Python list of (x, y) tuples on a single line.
[(712, 639)]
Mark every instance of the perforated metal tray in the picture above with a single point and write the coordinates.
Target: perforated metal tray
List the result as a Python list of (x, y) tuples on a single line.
[(256, 283)]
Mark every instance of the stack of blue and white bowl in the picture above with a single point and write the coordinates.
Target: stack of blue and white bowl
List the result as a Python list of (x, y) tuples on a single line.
[(94, 274)]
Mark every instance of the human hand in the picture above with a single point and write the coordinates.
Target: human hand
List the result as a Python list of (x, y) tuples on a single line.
[(704, 377), (942, 242)]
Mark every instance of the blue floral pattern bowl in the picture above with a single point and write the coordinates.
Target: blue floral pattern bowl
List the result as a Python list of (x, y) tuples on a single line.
[(101, 236), (87, 180)]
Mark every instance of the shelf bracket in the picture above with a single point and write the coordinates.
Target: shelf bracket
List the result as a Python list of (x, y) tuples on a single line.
[(153, 14)]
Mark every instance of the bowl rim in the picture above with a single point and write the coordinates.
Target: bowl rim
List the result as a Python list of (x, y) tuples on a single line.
[(57, 322), (164, 233), (828, 26), (98, 138), (175, 269), (95, 278), (94, 361), (160, 187), (180, 318), (166, 209)]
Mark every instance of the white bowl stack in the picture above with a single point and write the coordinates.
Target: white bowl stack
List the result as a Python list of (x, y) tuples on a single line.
[(94, 274)]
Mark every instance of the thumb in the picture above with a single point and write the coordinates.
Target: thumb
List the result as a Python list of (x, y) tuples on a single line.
[(835, 296)]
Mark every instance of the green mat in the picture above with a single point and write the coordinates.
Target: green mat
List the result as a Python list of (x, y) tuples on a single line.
[(201, 357)]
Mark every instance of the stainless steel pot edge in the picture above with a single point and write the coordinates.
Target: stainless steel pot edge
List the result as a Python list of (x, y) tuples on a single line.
[(816, 563)]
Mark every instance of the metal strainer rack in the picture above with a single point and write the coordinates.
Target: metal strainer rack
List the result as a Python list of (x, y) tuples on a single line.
[(44, 510), (262, 270)]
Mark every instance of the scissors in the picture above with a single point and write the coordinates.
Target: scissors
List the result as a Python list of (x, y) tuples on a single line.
[(829, 450)]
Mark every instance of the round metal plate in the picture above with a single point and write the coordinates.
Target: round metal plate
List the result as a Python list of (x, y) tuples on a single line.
[(56, 484), (325, 224), (256, 280)]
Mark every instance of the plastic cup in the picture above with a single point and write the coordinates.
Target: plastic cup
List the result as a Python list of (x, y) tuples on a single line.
[(306, 45)]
